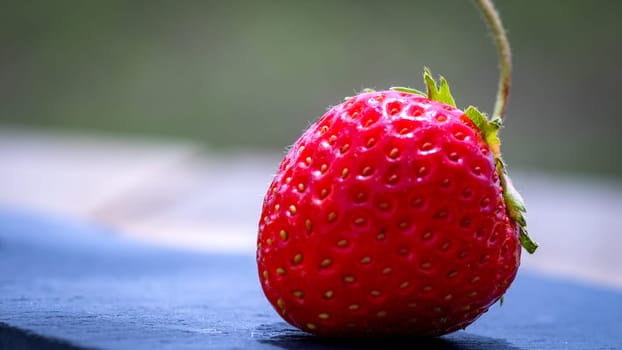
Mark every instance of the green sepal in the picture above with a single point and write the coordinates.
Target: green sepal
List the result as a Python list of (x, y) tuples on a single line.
[(515, 206), (516, 210), (526, 241), (488, 128), (442, 94), (514, 200), (478, 118), (407, 89)]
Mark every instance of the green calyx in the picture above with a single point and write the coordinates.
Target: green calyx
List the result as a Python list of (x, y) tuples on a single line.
[(489, 129)]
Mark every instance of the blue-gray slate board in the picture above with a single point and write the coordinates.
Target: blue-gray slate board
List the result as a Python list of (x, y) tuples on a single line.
[(67, 285)]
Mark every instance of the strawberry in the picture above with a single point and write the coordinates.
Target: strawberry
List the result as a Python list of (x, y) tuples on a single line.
[(392, 214)]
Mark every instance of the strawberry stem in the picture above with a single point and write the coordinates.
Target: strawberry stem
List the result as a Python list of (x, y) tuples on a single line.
[(491, 16)]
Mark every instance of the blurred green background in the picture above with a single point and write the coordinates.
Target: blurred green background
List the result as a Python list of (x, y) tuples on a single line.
[(238, 75)]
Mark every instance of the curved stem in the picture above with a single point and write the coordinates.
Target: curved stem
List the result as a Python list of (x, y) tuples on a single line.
[(503, 50)]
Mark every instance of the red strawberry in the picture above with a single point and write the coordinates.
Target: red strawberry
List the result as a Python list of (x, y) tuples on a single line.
[(392, 214)]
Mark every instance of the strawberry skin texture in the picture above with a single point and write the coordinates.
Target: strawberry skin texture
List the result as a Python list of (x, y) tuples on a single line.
[(386, 217)]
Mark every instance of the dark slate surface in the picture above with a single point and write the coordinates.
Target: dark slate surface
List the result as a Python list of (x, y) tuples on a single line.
[(67, 285)]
